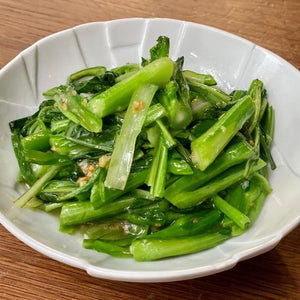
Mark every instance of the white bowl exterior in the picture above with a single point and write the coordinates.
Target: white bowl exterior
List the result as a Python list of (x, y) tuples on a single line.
[(232, 60)]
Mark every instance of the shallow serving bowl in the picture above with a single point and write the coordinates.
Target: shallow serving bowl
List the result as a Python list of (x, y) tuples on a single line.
[(233, 61)]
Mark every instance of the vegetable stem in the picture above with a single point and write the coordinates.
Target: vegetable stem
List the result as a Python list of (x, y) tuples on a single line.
[(234, 214), (157, 248), (37, 186), (207, 147), (122, 156), (231, 176), (118, 96)]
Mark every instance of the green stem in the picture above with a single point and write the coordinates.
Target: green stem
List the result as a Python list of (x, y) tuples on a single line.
[(207, 147), (190, 224), (211, 94), (76, 213), (118, 96), (226, 179), (156, 248), (155, 112), (233, 155), (158, 188), (37, 186), (123, 153), (157, 176), (255, 92), (106, 247), (93, 71), (234, 214), (170, 141), (194, 78)]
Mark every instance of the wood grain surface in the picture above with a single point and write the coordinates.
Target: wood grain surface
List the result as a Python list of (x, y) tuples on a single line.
[(26, 274)]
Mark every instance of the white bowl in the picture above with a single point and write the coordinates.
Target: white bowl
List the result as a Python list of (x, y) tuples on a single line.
[(233, 61)]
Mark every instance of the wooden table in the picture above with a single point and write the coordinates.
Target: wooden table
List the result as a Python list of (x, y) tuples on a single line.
[(26, 274)]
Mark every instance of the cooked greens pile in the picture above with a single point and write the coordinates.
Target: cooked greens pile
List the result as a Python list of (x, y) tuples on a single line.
[(150, 162)]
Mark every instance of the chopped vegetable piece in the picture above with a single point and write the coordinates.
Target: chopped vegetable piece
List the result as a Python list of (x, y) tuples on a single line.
[(153, 249), (94, 71), (122, 156), (37, 186), (208, 146), (118, 96), (223, 181), (235, 215)]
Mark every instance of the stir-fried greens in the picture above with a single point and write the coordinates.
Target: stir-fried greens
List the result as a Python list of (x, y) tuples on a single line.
[(147, 162)]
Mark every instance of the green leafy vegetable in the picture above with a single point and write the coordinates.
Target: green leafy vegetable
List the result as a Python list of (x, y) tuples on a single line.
[(161, 49), (147, 161)]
